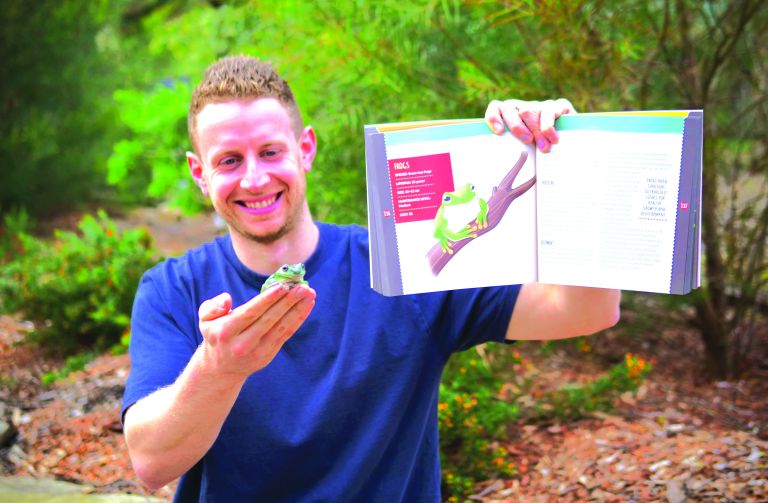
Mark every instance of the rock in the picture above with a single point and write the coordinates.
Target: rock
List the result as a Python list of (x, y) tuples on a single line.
[(30, 490), (675, 492), (7, 432)]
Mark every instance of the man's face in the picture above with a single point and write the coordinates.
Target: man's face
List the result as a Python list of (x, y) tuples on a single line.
[(252, 166)]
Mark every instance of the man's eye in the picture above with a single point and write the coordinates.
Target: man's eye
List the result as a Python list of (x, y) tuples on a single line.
[(270, 153), (228, 162)]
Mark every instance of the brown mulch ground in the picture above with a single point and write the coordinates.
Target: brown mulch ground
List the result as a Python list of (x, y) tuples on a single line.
[(676, 440), (679, 439), (70, 430)]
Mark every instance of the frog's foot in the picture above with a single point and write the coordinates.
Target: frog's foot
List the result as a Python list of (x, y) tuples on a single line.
[(446, 247)]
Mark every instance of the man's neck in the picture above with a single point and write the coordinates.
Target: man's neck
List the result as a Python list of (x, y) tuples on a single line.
[(264, 258)]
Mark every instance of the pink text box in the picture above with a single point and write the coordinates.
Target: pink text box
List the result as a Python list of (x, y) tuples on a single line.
[(418, 184)]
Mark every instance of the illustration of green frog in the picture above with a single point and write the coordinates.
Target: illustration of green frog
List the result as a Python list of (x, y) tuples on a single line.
[(287, 276), (451, 225)]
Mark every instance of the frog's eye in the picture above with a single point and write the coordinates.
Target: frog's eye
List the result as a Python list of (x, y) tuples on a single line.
[(471, 187), (447, 199), (285, 268)]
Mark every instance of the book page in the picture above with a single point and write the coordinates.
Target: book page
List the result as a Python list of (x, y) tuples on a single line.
[(607, 205), (426, 165)]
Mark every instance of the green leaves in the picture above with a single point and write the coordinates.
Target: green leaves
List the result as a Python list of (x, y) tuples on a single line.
[(55, 102), (151, 161), (473, 418), (79, 288)]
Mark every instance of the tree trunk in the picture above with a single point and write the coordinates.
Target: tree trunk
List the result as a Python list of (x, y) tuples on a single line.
[(714, 334), (711, 304)]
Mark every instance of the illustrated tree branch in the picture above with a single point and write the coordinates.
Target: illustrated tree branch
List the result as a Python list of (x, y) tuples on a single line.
[(501, 197)]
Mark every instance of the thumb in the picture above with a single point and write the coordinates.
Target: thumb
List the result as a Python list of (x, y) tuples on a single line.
[(215, 307)]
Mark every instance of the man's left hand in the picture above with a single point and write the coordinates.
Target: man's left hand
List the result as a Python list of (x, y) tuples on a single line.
[(530, 121)]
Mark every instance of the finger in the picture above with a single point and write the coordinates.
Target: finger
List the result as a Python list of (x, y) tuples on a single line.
[(240, 318), (530, 113), (493, 117), (547, 122), (551, 111), (215, 308), (511, 112), (289, 324), (280, 309), (267, 347), (252, 310), (565, 106), (284, 317)]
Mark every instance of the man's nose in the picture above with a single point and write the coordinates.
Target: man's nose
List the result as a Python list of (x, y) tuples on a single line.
[(255, 177)]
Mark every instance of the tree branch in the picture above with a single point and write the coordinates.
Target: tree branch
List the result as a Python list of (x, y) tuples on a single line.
[(501, 197)]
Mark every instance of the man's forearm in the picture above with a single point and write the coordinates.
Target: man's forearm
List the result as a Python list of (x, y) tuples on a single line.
[(170, 430)]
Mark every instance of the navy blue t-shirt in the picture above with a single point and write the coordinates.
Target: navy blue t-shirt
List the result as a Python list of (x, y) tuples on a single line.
[(347, 410)]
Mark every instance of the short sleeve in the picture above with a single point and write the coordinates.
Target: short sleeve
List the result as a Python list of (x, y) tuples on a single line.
[(163, 339), (461, 319)]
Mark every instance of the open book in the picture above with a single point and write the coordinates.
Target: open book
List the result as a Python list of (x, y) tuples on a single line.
[(615, 204)]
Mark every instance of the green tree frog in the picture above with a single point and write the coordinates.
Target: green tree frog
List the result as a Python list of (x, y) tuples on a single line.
[(456, 209), (287, 276)]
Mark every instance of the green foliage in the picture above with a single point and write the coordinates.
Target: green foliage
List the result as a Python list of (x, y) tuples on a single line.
[(473, 419), (348, 63), (483, 391), (121, 347), (15, 222), (152, 161), (572, 402), (355, 63), (79, 288), (57, 115), (74, 363), (97, 91)]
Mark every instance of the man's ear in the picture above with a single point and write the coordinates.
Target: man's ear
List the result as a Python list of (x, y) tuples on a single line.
[(196, 170), (307, 147)]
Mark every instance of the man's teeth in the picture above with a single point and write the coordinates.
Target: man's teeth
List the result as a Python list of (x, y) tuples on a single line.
[(259, 204)]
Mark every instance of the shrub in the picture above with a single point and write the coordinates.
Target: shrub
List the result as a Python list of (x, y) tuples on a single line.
[(78, 288), (473, 418), (483, 391), (573, 402), (74, 363), (15, 222)]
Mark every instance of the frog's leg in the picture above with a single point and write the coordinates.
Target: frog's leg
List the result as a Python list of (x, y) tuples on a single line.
[(267, 284), (441, 230), (446, 245), (482, 215), (466, 232)]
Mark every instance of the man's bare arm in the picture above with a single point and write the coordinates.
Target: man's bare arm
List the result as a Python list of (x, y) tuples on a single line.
[(170, 430), (544, 312)]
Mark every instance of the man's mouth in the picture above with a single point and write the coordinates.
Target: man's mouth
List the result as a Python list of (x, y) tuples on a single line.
[(261, 205)]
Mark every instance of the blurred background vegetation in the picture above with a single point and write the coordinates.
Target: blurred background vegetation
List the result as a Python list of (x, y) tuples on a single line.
[(93, 102), (94, 96)]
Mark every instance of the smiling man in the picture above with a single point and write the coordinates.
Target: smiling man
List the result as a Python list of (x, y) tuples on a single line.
[(321, 393), (253, 161)]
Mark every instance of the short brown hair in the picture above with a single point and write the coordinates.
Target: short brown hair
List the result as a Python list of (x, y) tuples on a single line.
[(239, 77)]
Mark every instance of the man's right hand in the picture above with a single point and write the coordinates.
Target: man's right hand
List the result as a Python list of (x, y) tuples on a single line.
[(241, 341), (169, 431)]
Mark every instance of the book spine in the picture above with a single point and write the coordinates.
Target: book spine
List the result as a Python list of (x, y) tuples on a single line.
[(385, 259), (697, 151), (686, 228)]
